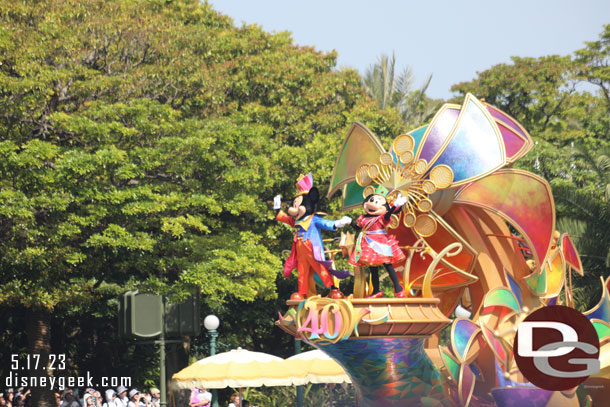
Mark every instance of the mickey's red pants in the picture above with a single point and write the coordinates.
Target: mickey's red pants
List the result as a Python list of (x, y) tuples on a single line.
[(307, 266)]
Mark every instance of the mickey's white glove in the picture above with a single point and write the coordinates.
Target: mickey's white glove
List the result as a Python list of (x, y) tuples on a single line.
[(400, 201), (277, 202), (346, 220)]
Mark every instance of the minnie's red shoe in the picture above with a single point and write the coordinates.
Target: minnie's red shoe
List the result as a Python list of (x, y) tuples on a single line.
[(378, 294), (401, 294), (297, 297)]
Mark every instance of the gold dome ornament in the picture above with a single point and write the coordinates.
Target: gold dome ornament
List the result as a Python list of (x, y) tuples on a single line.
[(399, 172)]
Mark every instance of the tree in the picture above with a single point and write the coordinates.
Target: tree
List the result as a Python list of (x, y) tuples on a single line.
[(599, 163), (587, 219), (392, 90), (595, 60), (535, 91), (384, 85), (140, 143)]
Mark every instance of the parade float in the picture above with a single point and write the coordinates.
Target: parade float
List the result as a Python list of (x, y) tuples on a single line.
[(478, 236)]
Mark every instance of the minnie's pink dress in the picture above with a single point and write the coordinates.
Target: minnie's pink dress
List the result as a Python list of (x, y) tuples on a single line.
[(375, 246)]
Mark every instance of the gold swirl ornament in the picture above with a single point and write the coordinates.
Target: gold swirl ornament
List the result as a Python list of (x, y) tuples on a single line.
[(400, 171)]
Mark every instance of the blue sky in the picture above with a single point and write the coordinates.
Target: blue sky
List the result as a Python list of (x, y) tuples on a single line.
[(450, 39)]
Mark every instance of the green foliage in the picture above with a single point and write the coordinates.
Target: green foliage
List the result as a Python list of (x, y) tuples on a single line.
[(595, 60), (141, 142)]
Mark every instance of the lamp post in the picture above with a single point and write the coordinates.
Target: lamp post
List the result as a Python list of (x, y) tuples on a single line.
[(300, 394), (211, 322)]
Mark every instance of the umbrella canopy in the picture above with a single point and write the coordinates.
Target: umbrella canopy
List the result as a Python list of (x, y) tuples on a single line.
[(236, 368), (316, 366)]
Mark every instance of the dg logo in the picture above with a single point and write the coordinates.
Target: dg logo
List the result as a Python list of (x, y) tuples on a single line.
[(556, 348)]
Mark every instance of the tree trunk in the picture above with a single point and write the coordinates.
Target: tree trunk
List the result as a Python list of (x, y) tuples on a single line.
[(38, 329)]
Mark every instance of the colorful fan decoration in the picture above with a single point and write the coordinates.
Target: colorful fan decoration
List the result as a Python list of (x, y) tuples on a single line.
[(462, 374), (476, 233), (554, 276), (471, 342), (451, 172)]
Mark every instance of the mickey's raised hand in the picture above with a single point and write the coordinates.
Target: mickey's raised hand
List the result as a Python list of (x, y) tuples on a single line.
[(277, 202)]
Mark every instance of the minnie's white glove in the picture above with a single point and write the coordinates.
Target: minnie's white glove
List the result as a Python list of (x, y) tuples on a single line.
[(346, 220), (277, 202), (400, 200)]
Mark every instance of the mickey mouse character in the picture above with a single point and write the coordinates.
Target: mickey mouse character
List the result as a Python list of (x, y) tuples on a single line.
[(307, 254), (375, 247)]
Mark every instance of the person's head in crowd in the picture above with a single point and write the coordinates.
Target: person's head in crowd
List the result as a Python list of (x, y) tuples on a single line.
[(121, 391), (235, 397), (110, 395), (57, 399), (134, 395), (68, 396), (88, 400), (2, 401), (9, 395), (156, 393)]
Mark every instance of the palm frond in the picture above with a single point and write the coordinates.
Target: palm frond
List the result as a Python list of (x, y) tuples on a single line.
[(587, 219)]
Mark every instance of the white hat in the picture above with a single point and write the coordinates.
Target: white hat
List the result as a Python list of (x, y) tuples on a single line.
[(133, 392), (120, 389)]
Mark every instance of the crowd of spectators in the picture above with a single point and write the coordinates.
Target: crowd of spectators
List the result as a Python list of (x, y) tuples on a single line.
[(12, 398), (119, 397)]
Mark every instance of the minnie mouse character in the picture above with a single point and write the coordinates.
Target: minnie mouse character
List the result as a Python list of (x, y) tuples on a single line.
[(375, 246), (307, 254)]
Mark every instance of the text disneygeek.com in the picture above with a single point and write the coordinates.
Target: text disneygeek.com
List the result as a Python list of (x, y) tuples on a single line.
[(60, 383)]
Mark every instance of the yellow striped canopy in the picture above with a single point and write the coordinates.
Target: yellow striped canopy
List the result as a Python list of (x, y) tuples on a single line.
[(316, 366), (236, 368)]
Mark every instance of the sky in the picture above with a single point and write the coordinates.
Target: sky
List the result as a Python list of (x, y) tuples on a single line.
[(452, 40)]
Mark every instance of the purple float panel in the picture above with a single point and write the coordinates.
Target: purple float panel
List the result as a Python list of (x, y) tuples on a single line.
[(513, 134), (461, 333), (512, 141), (476, 147), (388, 372), (466, 384), (521, 396), (438, 131), (500, 115)]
